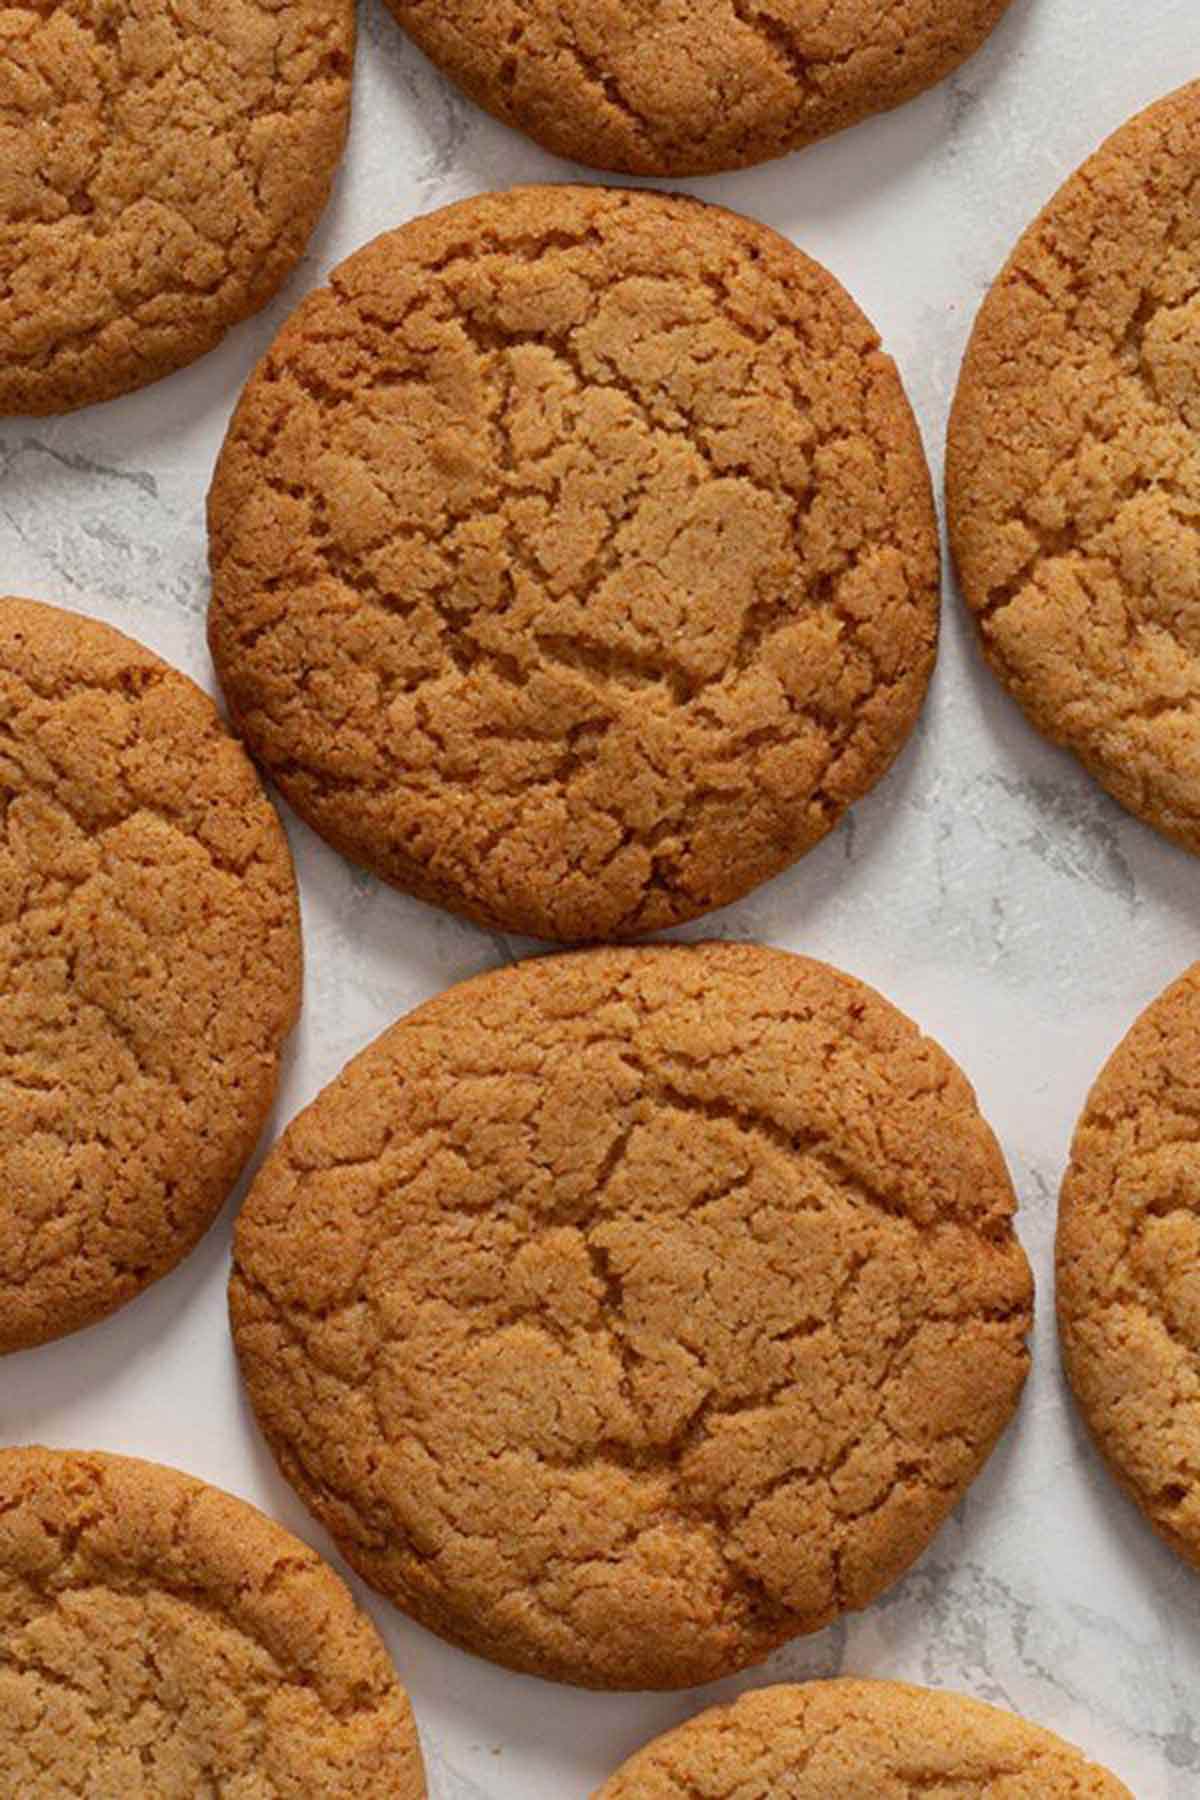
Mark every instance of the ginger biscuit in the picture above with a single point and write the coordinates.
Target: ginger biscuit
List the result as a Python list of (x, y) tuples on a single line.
[(1128, 1249), (149, 968), (847, 1740), (162, 163), (160, 1639), (625, 1313), (574, 560), (688, 87), (1073, 473)]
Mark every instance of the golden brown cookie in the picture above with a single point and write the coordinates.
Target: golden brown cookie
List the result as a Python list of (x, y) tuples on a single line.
[(149, 968), (160, 1639), (859, 1740), (1129, 1264), (623, 1314), (687, 87), (574, 562), (1074, 468), (162, 163)]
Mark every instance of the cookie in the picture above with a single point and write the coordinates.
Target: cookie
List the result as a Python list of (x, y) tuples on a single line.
[(664, 88), (1074, 468), (574, 563), (1128, 1239), (160, 1638), (623, 1314), (149, 968), (859, 1740), (162, 163)]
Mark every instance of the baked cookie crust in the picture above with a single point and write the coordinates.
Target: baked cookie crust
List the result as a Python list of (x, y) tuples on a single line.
[(689, 87), (160, 1639), (150, 968), (1073, 472), (161, 168), (626, 1313), (574, 559)]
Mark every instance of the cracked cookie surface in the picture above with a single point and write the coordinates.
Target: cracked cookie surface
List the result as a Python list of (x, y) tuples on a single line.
[(574, 560), (1073, 473), (159, 1638), (687, 87), (843, 1740), (149, 968), (1128, 1250), (625, 1313), (161, 168)]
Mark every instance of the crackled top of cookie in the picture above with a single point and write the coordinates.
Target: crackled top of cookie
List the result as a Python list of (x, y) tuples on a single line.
[(686, 87), (162, 163), (149, 967), (625, 1313), (840, 1740), (1074, 467), (1128, 1255), (160, 1639), (574, 561)]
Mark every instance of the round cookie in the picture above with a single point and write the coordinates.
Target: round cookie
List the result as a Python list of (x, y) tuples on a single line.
[(149, 968), (160, 1638), (1073, 471), (623, 1314), (162, 163), (843, 1740), (574, 560), (1128, 1242), (688, 87)]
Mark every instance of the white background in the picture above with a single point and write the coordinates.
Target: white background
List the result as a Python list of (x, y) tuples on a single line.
[(988, 887)]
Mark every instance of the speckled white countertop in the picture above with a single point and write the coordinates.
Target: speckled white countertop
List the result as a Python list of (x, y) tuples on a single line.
[(988, 887)]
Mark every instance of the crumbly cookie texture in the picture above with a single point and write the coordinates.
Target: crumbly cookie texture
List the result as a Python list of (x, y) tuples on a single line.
[(687, 87), (574, 560), (625, 1313), (1074, 468), (160, 1639), (149, 967), (844, 1740), (1128, 1243), (162, 163)]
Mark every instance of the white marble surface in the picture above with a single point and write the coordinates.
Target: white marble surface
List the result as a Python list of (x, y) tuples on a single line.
[(988, 887)]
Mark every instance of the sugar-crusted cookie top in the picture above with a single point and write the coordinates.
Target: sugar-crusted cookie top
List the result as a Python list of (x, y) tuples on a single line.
[(1074, 467), (160, 1638), (574, 560), (149, 967), (161, 167), (1128, 1249), (623, 1314), (841, 1740), (685, 87)]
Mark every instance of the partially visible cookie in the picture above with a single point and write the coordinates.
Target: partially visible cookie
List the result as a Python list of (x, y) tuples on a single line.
[(687, 87), (1073, 472), (160, 1639), (859, 1740), (574, 560), (149, 967), (624, 1314), (162, 163), (1129, 1263)]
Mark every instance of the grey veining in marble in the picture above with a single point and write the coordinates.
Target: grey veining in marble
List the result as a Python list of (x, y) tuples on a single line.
[(988, 887)]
